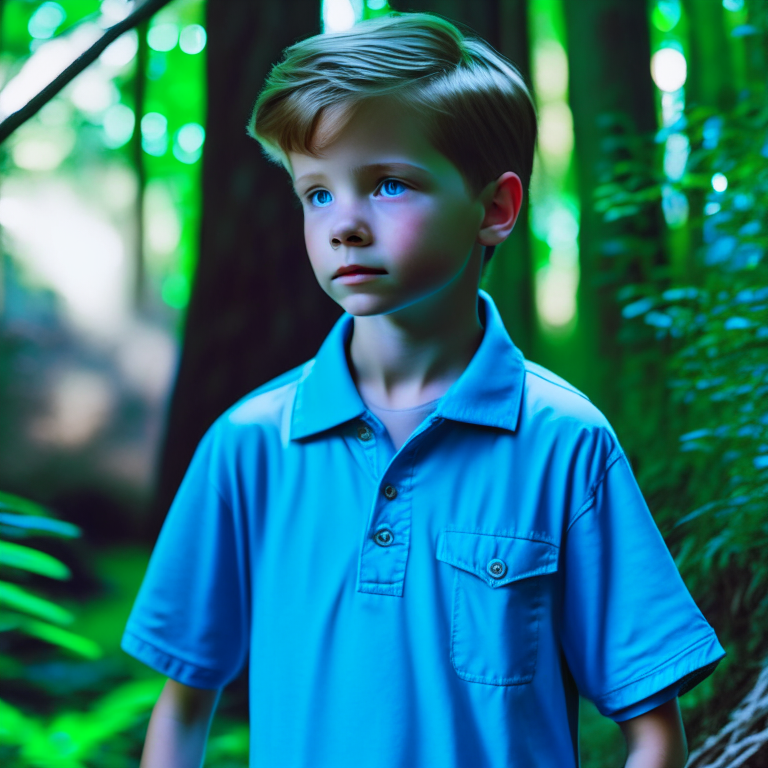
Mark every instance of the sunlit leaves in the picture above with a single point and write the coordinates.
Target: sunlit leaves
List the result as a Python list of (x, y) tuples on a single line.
[(28, 559), (19, 599), (97, 114), (706, 328), (76, 644), (21, 609), (70, 739)]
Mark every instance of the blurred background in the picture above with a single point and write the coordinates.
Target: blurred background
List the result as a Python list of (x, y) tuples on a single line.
[(153, 271)]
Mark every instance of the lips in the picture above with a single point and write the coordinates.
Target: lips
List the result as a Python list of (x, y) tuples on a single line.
[(357, 269)]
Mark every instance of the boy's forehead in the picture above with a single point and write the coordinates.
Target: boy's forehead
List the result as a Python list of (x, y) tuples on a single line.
[(379, 133)]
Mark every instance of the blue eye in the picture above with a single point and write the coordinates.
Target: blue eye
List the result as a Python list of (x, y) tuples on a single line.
[(392, 188), (316, 199)]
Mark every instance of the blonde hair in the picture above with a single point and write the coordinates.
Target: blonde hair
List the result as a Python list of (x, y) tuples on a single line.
[(475, 105)]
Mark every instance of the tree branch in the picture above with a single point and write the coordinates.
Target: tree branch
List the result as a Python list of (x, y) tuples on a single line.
[(34, 105)]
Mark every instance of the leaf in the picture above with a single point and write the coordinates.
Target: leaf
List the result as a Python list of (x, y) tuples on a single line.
[(737, 323), (15, 727), (658, 320), (678, 294), (695, 435), (78, 644), (639, 307), (12, 503), (696, 513), (135, 695), (744, 30), (620, 212), (23, 601), (28, 559), (83, 732), (39, 525), (233, 744)]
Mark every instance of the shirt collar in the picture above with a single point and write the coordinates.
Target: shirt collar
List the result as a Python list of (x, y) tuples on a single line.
[(489, 391)]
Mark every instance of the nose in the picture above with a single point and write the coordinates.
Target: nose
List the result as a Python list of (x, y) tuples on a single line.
[(350, 233)]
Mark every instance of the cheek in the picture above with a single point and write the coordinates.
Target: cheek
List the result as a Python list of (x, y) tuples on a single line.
[(434, 233), (313, 239)]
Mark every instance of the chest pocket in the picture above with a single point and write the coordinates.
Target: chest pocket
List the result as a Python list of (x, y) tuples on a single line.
[(497, 603)]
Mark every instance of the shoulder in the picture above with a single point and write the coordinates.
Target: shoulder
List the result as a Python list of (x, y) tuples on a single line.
[(266, 408), (556, 408)]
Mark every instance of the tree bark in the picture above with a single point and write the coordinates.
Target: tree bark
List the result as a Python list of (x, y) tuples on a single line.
[(256, 309), (612, 101)]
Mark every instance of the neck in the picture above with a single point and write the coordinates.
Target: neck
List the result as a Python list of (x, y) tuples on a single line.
[(413, 355)]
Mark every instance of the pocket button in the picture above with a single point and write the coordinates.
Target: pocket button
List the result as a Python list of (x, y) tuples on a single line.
[(497, 568)]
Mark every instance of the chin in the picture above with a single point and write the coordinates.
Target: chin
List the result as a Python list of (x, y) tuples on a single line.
[(365, 306)]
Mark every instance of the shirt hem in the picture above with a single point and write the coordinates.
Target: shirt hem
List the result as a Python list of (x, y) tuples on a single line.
[(703, 653), (171, 666)]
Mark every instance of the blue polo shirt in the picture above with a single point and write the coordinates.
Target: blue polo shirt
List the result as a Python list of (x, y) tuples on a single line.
[(436, 606)]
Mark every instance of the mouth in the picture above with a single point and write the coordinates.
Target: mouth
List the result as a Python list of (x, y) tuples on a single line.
[(356, 269)]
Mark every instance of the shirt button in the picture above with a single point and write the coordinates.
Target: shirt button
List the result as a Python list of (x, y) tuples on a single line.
[(497, 568), (364, 433), (384, 537), (390, 492)]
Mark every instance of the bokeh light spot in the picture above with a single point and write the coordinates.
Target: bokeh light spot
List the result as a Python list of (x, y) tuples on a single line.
[(669, 69), (666, 14), (674, 206), (154, 134), (551, 71), (719, 182), (122, 51), (153, 125), (118, 124), (163, 37), (338, 15), (676, 154), (191, 137), (92, 91), (45, 20), (192, 39)]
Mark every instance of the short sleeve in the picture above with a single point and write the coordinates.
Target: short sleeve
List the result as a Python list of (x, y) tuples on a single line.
[(190, 618), (631, 633)]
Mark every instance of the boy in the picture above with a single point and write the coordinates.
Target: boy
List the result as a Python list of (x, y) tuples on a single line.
[(426, 546)]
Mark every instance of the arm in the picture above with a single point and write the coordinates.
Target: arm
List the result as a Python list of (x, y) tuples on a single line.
[(178, 728), (656, 739)]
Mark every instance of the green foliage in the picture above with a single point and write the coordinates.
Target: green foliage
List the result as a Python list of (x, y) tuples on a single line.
[(695, 340), (22, 609), (229, 749), (70, 739), (167, 135)]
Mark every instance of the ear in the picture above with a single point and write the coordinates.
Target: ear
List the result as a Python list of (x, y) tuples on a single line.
[(502, 199)]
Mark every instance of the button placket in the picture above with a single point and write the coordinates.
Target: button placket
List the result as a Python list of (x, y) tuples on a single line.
[(382, 563), (386, 547)]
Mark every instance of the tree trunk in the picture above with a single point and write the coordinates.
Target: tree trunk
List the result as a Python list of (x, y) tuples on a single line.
[(509, 276), (612, 100), (256, 309)]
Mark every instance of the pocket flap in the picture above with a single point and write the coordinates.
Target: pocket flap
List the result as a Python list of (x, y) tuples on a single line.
[(474, 552)]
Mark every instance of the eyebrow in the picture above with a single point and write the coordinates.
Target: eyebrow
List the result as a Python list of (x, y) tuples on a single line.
[(361, 170)]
